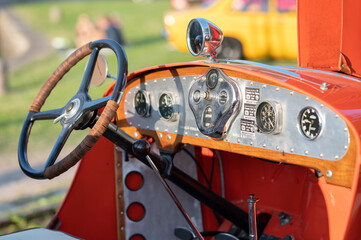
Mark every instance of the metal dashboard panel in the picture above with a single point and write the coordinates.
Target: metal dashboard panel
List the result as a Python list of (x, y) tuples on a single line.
[(331, 144)]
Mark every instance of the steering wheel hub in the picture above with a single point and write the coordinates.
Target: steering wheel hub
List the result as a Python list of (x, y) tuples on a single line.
[(71, 109)]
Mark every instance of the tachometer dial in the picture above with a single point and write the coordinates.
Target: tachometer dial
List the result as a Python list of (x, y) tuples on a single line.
[(310, 123), (166, 107), (141, 103), (268, 117)]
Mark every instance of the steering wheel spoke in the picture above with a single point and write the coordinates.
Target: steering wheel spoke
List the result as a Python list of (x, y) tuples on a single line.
[(96, 104), (59, 144), (47, 115), (84, 87)]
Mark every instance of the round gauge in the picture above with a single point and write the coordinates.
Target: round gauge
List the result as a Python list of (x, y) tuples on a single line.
[(141, 103), (166, 108), (207, 117), (212, 78), (267, 117), (310, 123)]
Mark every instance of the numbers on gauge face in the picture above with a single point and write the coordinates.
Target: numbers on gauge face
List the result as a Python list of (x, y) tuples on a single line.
[(166, 108), (212, 79), (310, 123), (141, 103), (266, 117)]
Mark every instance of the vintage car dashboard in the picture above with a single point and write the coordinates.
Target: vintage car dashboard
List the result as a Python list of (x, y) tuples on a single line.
[(240, 112)]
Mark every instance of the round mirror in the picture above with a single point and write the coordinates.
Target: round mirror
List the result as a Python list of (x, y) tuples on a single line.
[(100, 71), (195, 37), (203, 38)]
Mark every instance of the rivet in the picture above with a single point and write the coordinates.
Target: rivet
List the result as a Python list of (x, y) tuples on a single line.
[(155, 80), (135, 134), (164, 79), (160, 135), (120, 196), (130, 123), (121, 213), (146, 84), (336, 116), (329, 173), (251, 143), (176, 131), (306, 152), (157, 128), (345, 129), (336, 157), (264, 145), (292, 150), (186, 133), (122, 228), (321, 154), (277, 89), (239, 140), (119, 180), (169, 137), (125, 100), (118, 165), (278, 148), (264, 85), (291, 93), (251, 83), (307, 98), (345, 147), (147, 127), (321, 105)]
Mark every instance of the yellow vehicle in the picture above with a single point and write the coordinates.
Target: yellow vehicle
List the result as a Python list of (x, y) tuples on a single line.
[(252, 28)]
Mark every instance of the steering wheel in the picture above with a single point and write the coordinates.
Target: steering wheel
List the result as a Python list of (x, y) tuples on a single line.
[(77, 113)]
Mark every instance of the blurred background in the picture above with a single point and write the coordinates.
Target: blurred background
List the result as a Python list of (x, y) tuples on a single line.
[(36, 36)]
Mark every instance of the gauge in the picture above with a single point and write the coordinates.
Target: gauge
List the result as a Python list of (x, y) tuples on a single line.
[(268, 117), (166, 107), (212, 78), (310, 123), (207, 117), (141, 103)]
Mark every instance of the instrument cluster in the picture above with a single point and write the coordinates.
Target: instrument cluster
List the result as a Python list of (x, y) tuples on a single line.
[(239, 111)]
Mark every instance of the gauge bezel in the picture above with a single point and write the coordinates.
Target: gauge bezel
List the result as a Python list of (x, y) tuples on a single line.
[(204, 111), (209, 73), (147, 101), (278, 117), (299, 124), (174, 115)]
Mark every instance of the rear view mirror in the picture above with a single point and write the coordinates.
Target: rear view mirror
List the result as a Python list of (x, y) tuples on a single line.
[(100, 71), (203, 38)]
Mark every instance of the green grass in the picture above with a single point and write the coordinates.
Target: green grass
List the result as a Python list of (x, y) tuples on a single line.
[(145, 47)]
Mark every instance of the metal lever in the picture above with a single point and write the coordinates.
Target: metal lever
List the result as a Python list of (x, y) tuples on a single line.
[(141, 148), (252, 217)]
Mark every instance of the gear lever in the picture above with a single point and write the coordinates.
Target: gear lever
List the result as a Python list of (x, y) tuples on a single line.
[(141, 149)]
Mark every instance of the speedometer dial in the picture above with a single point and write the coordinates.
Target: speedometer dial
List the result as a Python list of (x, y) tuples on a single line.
[(310, 123), (268, 117), (166, 107)]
